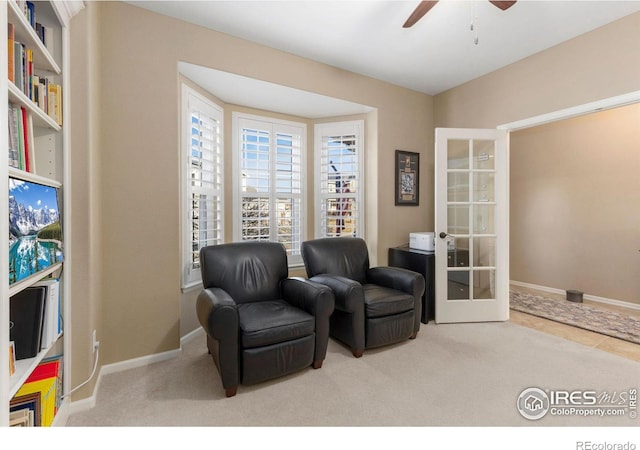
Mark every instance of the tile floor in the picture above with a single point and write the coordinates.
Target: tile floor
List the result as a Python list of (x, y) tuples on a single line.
[(608, 344)]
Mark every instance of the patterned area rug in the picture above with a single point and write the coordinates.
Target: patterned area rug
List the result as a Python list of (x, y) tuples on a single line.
[(579, 315)]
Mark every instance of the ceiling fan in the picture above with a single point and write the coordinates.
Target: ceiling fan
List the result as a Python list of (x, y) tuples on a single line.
[(425, 7)]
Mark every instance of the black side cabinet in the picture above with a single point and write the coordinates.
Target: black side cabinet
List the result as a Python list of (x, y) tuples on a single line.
[(422, 262)]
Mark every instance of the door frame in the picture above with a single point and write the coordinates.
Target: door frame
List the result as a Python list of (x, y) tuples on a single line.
[(574, 111)]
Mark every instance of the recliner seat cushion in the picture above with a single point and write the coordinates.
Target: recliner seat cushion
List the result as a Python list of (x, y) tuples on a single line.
[(270, 322), (380, 301)]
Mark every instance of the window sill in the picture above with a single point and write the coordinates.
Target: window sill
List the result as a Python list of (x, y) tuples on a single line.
[(190, 287)]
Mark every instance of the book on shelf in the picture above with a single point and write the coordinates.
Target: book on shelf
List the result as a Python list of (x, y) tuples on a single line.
[(50, 327), (50, 368), (55, 102), (14, 152), (41, 90), (45, 35), (20, 418), (26, 314), (31, 14), (26, 136), (44, 388), (18, 65), (21, 141), (47, 389), (30, 404), (11, 38), (12, 358)]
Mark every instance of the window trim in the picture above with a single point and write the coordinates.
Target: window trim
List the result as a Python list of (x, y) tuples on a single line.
[(293, 260), (191, 279), (339, 128)]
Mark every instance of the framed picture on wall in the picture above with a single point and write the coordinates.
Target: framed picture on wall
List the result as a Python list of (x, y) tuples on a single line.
[(407, 178)]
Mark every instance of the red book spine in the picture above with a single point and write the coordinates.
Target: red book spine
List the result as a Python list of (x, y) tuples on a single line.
[(27, 163)]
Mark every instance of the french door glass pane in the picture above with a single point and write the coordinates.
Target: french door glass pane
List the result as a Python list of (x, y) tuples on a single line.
[(483, 219), (483, 187), (458, 219), (484, 284), (484, 252), (458, 154), (458, 285), (483, 154), (458, 187)]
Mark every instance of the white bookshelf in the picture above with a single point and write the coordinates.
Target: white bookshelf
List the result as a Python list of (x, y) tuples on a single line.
[(51, 168)]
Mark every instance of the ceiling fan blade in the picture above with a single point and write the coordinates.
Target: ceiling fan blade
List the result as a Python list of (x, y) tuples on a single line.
[(420, 11), (503, 5)]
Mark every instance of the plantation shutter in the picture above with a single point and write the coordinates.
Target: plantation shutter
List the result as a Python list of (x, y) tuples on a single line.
[(270, 184), (205, 182), (339, 174)]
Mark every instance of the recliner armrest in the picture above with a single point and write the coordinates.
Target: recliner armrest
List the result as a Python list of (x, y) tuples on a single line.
[(217, 313), (314, 298), (397, 278), (348, 293)]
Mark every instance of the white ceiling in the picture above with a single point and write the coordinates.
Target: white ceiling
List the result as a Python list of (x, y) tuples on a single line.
[(367, 37)]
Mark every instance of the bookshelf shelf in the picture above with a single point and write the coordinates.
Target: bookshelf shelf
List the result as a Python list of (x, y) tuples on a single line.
[(28, 176), (24, 367), (41, 75), (39, 117), (26, 34), (23, 284)]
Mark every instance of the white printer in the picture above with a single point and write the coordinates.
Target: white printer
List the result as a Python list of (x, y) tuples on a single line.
[(423, 240)]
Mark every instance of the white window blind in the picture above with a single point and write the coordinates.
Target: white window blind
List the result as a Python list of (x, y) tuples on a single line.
[(202, 181), (339, 175), (270, 188)]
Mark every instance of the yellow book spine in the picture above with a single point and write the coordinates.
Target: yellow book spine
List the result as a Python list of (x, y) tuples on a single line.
[(47, 389)]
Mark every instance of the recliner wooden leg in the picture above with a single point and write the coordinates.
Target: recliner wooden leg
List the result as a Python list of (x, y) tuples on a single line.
[(358, 352), (317, 364), (230, 392)]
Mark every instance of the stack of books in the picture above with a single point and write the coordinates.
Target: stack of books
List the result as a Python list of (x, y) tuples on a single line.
[(38, 400), (41, 90), (35, 318), (21, 154)]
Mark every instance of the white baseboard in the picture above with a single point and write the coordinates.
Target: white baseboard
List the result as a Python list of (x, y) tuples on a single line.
[(593, 298), (192, 335), (87, 403)]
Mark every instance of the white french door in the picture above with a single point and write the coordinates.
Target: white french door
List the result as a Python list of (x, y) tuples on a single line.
[(471, 225)]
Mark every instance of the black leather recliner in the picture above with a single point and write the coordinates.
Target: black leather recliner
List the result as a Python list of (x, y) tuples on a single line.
[(260, 324), (373, 306)]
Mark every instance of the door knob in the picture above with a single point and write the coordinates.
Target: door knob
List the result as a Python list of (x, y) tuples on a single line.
[(443, 235)]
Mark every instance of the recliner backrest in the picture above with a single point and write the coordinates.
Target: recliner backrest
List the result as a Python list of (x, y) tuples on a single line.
[(344, 256), (249, 271)]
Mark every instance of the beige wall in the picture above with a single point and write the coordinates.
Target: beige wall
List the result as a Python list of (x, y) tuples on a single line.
[(85, 264), (597, 65), (137, 184), (575, 192)]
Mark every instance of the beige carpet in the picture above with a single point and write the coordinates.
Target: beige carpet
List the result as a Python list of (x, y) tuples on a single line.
[(451, 375)]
